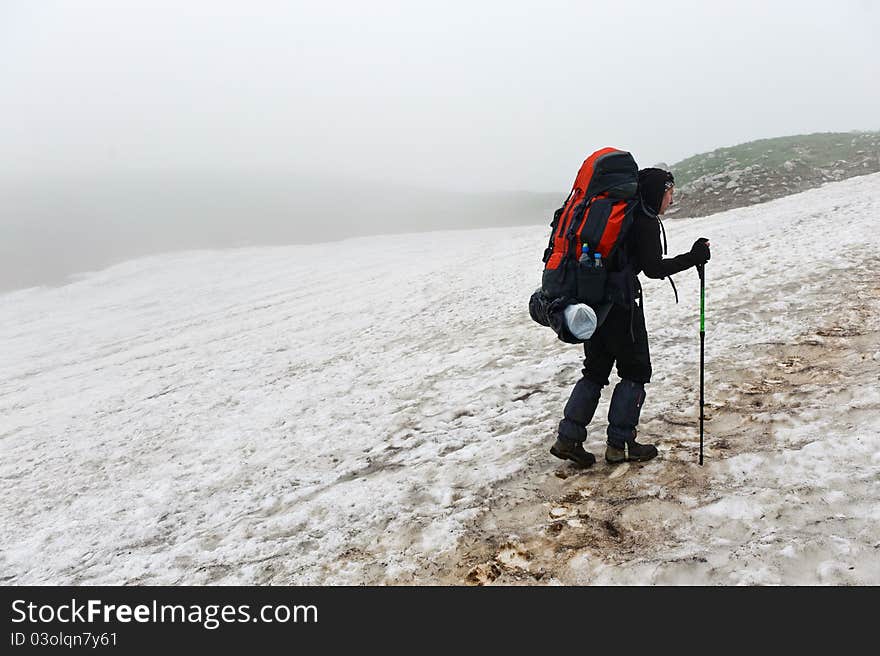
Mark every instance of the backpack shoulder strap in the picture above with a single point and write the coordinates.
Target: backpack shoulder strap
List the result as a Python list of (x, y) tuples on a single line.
[(665, 251), (663, 230)]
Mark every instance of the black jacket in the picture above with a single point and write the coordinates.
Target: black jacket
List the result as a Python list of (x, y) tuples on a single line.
[(644, 250)]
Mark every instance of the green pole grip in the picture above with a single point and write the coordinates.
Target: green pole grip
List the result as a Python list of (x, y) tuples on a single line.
[(703, 310), (702, 300)]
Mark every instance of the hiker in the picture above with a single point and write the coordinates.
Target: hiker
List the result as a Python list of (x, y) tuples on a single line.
[(623, 339)]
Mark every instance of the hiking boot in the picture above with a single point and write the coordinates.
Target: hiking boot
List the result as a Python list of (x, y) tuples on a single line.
[(631, 452), (573, 451)]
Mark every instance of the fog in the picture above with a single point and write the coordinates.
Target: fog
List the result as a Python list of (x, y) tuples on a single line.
[(133, 127)]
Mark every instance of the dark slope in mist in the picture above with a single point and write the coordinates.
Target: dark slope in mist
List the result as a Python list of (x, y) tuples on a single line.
[(52, 228)]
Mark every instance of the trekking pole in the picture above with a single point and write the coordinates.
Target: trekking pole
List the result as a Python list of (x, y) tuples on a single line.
[(702, 271)]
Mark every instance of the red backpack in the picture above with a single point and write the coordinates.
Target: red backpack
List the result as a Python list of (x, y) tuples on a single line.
[(589, 228)]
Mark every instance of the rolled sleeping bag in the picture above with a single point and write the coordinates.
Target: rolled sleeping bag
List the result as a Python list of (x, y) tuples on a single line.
[(581, 320)]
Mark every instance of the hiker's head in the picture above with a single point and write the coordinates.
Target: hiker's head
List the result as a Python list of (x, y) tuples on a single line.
[(656, 187)]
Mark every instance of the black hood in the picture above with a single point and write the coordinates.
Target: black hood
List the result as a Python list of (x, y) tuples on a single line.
[(652, 185)]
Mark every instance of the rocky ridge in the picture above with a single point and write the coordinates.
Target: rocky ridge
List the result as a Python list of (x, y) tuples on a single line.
[(760, 171)]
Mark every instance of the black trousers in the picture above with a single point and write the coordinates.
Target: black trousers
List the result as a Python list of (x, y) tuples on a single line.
[(614, 342), (621, 339)]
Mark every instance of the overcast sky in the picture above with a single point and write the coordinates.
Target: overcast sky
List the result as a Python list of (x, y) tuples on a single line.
[(476, 95)]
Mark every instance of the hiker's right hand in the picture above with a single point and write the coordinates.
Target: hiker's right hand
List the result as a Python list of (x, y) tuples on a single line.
[(700, 251)]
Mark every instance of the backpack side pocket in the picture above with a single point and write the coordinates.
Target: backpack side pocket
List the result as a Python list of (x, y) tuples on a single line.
[(591, 283)]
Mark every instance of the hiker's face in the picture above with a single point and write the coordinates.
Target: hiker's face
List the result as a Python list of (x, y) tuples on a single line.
[(667, 200)]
